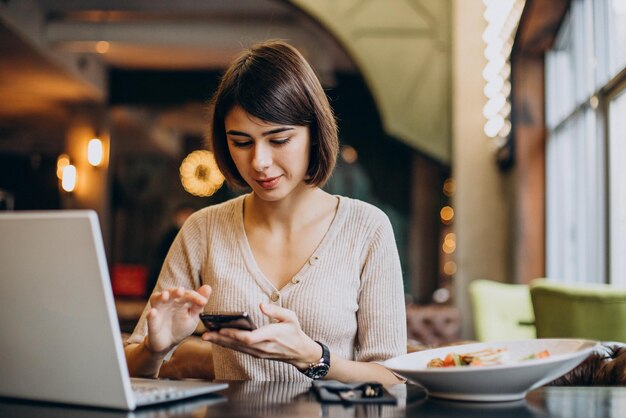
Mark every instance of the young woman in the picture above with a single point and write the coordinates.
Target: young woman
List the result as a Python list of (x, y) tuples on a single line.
[(319, 274)]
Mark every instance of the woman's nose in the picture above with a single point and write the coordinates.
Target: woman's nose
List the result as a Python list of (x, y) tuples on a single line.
[(262, 158)]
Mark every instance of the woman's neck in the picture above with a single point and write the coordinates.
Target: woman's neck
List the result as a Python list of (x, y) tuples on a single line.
[(290, 213)]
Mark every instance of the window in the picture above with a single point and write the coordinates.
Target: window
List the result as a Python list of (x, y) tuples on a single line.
[(617, 34), (586, 145), (617, 147)]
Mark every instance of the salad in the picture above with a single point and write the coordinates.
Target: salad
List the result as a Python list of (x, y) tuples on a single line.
[(486, 357)]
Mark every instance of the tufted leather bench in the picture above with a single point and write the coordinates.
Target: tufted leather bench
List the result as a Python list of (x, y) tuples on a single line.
[(432, 325)]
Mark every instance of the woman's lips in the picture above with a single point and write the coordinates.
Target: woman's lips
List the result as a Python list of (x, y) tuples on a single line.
[(268, 183)]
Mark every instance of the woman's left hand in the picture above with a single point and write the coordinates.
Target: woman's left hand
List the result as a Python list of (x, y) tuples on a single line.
[(282, 340)]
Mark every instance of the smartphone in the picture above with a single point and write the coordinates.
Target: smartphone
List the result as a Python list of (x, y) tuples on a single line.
[(214, 321)]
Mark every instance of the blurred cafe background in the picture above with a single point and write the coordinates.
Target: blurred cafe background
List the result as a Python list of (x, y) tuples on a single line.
[(491, 132)]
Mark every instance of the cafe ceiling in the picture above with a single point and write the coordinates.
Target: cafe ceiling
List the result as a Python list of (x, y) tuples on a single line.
[(165, 34), (55, 52)]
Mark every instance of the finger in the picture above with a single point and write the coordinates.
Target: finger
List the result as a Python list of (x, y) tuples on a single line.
[(195, 309), (245, 337), (167, 299), (278, 313), (205, 290), (209, 336), (182, 298), (227, 342), (171, 293), (195, 298), (152, 317), (155, 298), (178, 292), (151, 314), (216, 337), (261, 350), (192, 302), (178, 298), (264, 334)]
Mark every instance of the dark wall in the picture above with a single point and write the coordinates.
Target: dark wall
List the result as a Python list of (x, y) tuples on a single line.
[(386, 160), (31, 179), (157, 88)]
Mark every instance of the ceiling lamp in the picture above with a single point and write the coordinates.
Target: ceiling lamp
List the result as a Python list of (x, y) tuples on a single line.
[(199, 173)]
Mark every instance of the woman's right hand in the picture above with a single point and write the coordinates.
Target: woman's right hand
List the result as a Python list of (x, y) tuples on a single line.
[(173, 316)]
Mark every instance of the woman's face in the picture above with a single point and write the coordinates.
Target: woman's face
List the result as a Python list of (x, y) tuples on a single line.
[(272, 158)]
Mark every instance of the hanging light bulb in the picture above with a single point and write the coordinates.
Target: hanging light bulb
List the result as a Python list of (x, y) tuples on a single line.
[(68, 182), (95, 152), (62, 161)]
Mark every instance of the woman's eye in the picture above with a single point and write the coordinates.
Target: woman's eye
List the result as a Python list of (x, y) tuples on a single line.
[(242, 144), (280, 141)]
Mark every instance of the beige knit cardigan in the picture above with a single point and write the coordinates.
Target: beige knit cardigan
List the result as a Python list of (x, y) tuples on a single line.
[(349, 295)]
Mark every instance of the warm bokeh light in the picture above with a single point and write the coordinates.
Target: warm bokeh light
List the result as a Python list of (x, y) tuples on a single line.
[(62, 161), (449, 187), (447, 214), (199, 173), (448, 247), (449, 268), (95, 152), (102, 47), (349, 154), (68, 180)]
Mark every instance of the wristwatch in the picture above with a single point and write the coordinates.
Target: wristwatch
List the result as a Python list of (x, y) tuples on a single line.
[(320, 368)]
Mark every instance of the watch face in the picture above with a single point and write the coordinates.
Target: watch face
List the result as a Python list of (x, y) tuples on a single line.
[(318, 371)]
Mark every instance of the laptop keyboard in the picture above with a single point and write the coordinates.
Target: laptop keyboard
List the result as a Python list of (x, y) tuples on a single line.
[(151, 393)]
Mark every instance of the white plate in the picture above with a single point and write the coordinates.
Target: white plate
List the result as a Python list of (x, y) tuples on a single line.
[(505, 382)]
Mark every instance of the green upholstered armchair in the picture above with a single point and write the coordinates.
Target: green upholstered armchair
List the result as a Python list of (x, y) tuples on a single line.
[(501, 311), (596, 312)]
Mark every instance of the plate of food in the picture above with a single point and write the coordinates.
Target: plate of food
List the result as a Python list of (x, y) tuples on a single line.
[(491, 371)]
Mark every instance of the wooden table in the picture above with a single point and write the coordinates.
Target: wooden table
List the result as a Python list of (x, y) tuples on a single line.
[(275, 399)]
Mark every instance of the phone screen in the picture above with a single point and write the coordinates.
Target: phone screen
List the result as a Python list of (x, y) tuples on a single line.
[(218, 320)]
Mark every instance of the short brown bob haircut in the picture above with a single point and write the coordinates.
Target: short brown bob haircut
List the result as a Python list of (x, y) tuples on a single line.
[(273, 82)]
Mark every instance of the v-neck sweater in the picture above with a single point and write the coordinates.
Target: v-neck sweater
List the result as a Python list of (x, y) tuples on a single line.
[(349, 295)]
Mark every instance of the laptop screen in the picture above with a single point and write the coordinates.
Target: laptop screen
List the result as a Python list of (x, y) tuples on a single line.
[(60, 337)]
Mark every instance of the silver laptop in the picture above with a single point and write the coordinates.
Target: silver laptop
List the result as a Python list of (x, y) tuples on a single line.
[(60, 339)]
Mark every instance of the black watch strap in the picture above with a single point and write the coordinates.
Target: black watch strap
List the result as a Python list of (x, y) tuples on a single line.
[(320, 368)]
